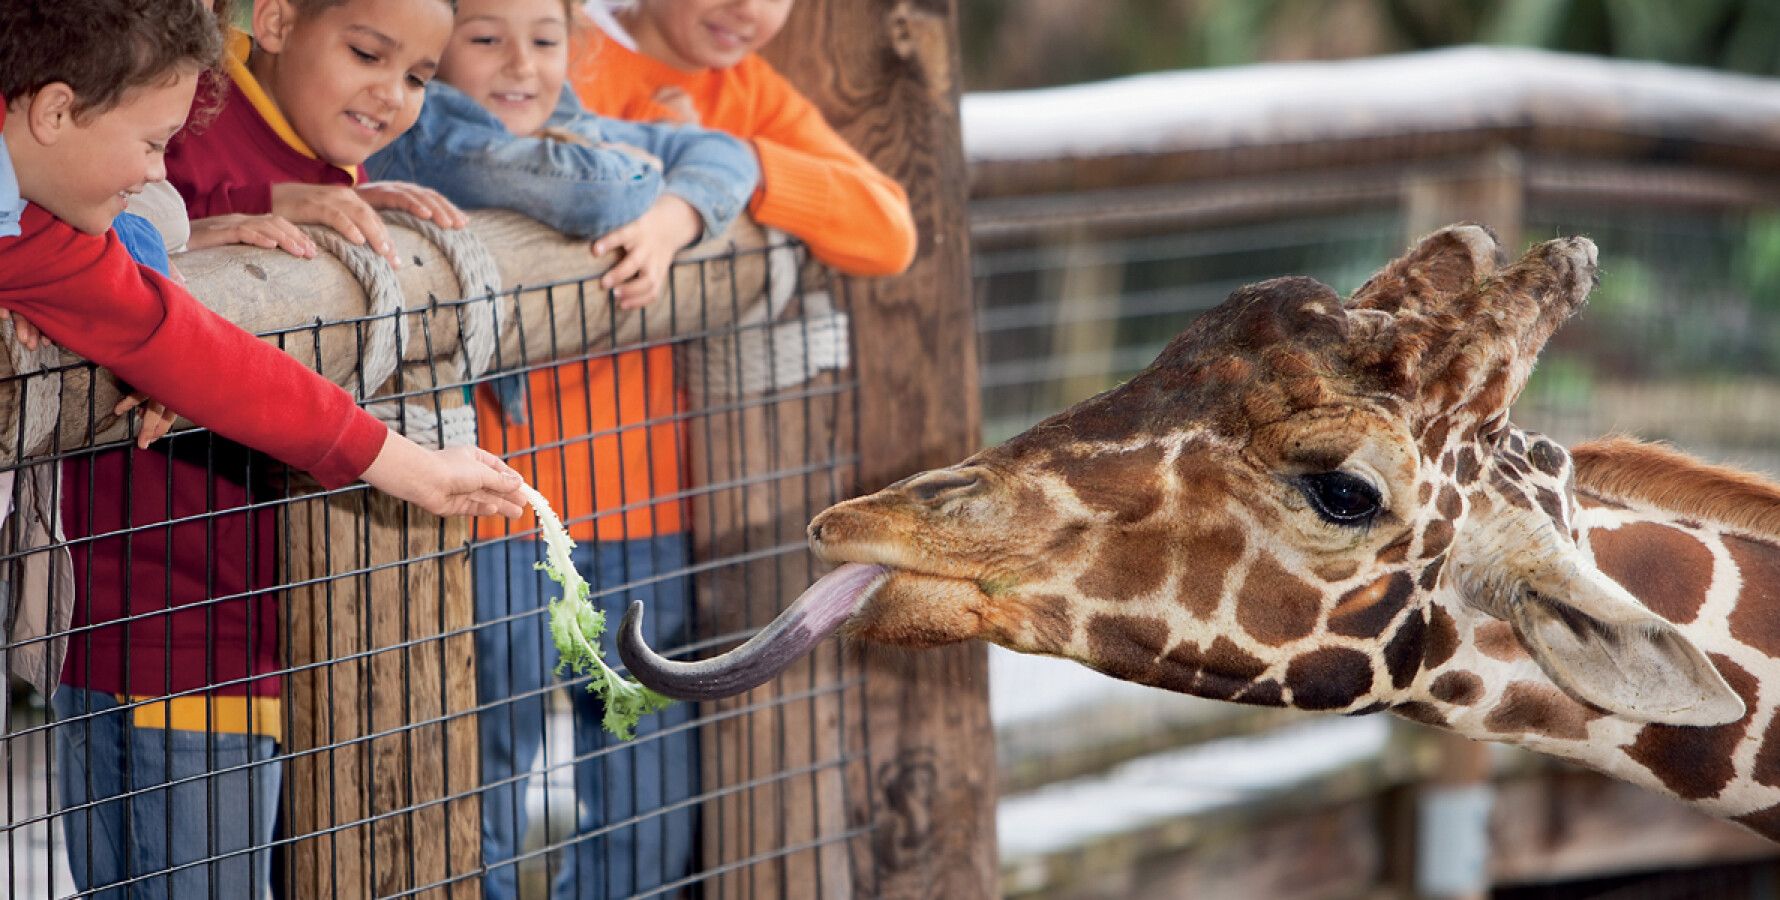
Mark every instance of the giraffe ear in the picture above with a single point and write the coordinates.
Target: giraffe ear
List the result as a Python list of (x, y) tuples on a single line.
[(1606, 649)]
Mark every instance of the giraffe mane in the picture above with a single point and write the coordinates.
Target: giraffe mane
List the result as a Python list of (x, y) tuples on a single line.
[(1633, 471)]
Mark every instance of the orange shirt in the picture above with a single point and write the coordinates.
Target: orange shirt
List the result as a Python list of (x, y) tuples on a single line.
[(599, 443), (813, 184)]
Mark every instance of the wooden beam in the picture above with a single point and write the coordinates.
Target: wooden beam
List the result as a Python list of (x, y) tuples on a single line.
[(885, 73)]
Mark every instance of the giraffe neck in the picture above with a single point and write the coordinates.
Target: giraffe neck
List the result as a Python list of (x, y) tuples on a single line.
[(1719, 584)]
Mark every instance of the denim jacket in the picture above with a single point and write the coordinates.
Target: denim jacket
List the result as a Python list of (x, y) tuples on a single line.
[(462, 151)]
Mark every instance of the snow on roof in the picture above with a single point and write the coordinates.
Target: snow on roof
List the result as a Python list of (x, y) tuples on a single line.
[(1439, 90)]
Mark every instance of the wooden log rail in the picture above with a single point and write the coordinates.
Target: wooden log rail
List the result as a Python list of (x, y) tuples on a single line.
[(318, 311)]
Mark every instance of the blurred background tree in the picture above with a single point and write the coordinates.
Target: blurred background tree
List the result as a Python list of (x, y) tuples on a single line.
[(1033, 43)]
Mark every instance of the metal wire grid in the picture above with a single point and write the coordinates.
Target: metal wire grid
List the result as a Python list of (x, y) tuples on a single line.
[(798, 477)]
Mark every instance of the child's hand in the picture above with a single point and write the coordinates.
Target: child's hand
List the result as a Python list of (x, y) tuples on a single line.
[(648, 245), (157, 420), (677, 105), (29, 337), (339, 208), (412, 198), (269, 232), (455, 481)]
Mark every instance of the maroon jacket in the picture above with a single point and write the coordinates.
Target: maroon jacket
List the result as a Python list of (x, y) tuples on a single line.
[(230, 164), (214, 569)]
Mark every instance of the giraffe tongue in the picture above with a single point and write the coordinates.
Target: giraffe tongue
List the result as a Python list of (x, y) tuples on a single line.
[(814, 615)]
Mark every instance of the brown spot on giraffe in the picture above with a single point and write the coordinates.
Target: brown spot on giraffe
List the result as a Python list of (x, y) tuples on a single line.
[(1668, 570), (1695, 763), (1767, 758), (1756, 619), (1418, 711), (1424, 493), (1436, 537), (1127, 569), (1548, 457), (1336, 571), (1442, 640), (1466, 468), (1404, 652), (1530, 708), (1126, 483), (1554, 508), (1396, 551), (1202, 577), (1275, 606), (1266, 692), (1430, 578), (1450, 505), (1329, 678), (1365, 611), (1765, 822), (1497, 641), (1458, 687), (1219, 672), (1051, 623), (1434, 438), (1126, 646)]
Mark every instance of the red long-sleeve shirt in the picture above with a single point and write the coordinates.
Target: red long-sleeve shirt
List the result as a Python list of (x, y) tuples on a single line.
[(88, 295)]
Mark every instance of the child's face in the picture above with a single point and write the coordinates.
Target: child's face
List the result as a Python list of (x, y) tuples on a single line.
[(351, 77), (715, 34), (512, 57), (89, 167)]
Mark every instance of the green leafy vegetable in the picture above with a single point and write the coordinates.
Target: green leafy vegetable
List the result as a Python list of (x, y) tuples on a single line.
[(576, 625)]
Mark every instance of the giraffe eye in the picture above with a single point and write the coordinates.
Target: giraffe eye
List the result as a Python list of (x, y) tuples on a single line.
[(1340, 498)]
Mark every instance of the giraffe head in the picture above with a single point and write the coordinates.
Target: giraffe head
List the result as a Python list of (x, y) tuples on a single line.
[(1286, 508)]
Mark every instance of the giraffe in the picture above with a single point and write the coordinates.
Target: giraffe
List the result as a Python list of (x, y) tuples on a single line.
[(1321, 504)]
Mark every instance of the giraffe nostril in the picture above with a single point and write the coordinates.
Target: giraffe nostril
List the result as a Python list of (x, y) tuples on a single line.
[(944, 484)]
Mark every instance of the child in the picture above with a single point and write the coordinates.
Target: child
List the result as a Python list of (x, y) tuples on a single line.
[(499, 129), (90, 92), (695, 60), (320, 86)]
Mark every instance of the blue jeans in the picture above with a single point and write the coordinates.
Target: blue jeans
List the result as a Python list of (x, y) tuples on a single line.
[(615, 781), (157, 828)]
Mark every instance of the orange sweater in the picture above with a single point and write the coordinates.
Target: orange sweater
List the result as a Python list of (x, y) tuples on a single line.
[(812, 183), (585, 445)]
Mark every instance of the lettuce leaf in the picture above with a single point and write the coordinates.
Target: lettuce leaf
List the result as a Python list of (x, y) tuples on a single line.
[(576, 626)]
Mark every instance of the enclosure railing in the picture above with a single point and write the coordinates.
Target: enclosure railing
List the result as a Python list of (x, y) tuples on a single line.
[(323, 720), (1105, 217)]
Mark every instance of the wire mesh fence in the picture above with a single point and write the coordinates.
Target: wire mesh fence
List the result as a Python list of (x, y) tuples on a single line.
[(257, 687)]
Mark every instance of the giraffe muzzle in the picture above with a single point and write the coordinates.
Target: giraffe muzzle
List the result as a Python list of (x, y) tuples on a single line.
[(812, 617)]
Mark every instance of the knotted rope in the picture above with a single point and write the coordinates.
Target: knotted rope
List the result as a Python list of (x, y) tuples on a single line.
[(478, 276), (762, 357)]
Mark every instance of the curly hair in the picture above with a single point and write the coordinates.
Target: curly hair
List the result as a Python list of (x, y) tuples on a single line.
[(102, 49)]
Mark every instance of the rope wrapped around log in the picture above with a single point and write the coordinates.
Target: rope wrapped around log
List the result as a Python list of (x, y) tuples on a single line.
[(351, 316)]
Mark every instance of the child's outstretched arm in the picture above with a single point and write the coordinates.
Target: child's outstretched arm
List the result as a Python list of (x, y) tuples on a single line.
[(87, 294), (456, 481)]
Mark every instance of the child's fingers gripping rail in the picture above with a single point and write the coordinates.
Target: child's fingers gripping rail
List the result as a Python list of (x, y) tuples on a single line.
[(576, 626)]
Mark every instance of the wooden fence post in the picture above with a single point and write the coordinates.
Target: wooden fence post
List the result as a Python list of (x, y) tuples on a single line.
[(885, 73), (381, 703)]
